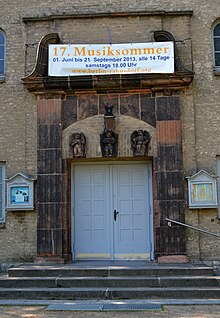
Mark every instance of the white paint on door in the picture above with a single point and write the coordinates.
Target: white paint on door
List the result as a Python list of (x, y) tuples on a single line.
[(98, 191)]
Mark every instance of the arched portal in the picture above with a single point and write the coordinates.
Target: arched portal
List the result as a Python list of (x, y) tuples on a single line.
[(111, 198)]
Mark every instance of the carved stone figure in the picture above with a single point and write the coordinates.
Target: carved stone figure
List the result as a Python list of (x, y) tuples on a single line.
[(109, 144), (139, 142), (78, 144)]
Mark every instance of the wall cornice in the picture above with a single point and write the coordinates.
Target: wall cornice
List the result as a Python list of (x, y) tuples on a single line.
[(109, 14)]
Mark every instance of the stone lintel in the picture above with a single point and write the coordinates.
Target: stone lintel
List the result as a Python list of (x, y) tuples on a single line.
[(116, 83)]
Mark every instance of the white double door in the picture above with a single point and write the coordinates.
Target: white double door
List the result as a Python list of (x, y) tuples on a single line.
[(112, 211)]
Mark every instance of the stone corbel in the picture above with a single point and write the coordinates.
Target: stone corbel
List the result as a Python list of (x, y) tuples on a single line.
[(34, 81)]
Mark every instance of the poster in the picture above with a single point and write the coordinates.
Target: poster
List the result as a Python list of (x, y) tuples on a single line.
[(202, 192), (19, 195), (105, 59)]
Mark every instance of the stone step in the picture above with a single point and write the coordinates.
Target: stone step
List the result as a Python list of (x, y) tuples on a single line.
[(110, 293), (68, 271), (109, 282)]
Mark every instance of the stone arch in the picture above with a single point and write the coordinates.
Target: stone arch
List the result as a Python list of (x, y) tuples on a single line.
[(92, 127)]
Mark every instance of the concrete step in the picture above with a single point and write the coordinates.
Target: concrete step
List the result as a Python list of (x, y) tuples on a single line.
[(110, 293), (69, 271), (109, 282)]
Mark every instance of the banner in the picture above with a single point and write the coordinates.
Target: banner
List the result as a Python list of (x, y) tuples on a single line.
[(105, 59)]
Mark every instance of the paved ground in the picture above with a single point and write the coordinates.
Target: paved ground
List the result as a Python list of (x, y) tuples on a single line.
[(198, 311)]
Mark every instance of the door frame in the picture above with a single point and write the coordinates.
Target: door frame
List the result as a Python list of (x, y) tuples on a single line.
[(111, 162)]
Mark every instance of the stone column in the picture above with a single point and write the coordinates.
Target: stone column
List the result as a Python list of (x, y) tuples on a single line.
[(53, 229), (169, 177)]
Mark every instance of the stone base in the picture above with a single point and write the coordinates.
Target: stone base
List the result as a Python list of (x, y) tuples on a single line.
[(49, 260), (173, 259)]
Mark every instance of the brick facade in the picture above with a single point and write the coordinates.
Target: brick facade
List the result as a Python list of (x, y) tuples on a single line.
[(184, 123)]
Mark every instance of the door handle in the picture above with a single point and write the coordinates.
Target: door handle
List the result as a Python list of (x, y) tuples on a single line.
[(115, 215)]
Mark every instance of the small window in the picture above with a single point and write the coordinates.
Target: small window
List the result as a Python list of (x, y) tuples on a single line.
[(2, 192), (216, 45), (2, 54)]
